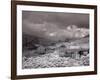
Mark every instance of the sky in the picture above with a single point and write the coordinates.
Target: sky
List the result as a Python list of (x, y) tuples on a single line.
[(54, 25)]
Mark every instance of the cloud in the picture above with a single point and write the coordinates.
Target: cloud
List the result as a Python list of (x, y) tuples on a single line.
[(55, 26)]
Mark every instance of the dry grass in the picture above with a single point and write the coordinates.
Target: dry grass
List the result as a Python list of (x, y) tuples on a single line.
[(53, 60)]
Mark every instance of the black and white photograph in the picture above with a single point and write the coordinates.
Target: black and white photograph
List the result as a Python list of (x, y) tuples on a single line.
[(54, 39)]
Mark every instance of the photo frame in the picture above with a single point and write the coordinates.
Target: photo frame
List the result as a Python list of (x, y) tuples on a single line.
[(50, 20)]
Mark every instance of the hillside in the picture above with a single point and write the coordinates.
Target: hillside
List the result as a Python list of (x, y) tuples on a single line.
[(44, 53)]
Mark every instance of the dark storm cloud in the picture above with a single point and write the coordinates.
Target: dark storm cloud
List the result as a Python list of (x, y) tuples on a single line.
[(57, 18), (53, 25)]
